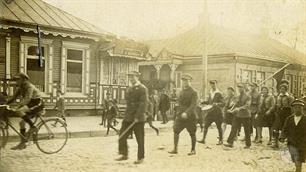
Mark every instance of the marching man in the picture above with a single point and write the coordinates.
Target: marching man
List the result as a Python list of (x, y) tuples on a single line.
[(186, 116), (134, 120), (295, 131)]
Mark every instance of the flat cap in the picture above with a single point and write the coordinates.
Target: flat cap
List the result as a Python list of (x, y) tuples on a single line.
[(213, 81), (186, 77), (284, 85), (134, 73), (284, 81), (298, 102), (21, 75), (241, 85), (231, 88)]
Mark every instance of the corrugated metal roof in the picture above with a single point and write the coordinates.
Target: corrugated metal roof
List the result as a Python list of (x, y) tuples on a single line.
[(226, 41), (42, 13)]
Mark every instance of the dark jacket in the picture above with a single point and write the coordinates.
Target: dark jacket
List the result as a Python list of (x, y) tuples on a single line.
[(296, 135), (218, 103), (266, 104), (255, 100), (136, 103), (242, 106), (111, 113), (187, 103), (164, 103)]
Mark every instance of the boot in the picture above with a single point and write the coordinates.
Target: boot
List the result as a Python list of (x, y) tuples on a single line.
[(22, 143)]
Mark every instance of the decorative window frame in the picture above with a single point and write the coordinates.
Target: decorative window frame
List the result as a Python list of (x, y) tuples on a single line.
[(177, 78), (85, 71), (24, 44)]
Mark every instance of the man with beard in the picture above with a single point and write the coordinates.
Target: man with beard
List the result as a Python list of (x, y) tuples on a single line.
[(186, 116)]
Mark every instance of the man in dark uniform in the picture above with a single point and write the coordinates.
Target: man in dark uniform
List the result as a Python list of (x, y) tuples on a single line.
[(255, 98), (136, 101), (242, 116), (283, 110), (215, 114), (186, 116), (295, 131)]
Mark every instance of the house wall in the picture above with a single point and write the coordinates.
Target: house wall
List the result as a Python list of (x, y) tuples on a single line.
[(85, 101)]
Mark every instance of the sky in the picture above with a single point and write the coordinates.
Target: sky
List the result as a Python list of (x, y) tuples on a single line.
[(159, 19)]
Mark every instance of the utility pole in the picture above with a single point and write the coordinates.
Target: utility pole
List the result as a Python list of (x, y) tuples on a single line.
[(204, 26)]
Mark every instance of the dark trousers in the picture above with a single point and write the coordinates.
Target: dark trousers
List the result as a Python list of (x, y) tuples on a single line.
[(164, 116), (246, 122), (138, 129)]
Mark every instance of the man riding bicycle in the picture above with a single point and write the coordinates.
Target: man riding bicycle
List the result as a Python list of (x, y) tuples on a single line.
[(30, 104)]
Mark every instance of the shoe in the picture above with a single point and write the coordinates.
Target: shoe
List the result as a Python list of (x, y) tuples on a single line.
[(101, 124), (193, 152), (20, 146), (173, 152), (122, 158), (201, 141), (220, 143), (139, 161), (258, 141), (229, 145), (246, 147), (32, 130)]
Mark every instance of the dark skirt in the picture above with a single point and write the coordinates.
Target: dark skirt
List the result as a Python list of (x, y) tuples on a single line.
[(264, 120)]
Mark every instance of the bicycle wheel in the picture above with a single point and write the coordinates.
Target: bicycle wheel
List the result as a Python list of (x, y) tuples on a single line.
[(52, 135)]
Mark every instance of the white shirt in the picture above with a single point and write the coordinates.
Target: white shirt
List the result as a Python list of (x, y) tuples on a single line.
[(297, 119)]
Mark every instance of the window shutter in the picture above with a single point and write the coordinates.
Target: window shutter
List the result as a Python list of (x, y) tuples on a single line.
[(87, 56), (63, 70), (50, 70), (22, 52)]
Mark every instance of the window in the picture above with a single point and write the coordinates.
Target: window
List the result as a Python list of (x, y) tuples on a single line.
[(74, 70), (41, 77), (260, 76), (115, 72), (106, 70), (33, 70), (246, 76)]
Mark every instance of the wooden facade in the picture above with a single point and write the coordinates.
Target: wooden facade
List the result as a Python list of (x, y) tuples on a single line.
[(77, 57)]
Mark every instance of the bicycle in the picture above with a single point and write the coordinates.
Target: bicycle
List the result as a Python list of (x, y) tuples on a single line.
[(51, 135)]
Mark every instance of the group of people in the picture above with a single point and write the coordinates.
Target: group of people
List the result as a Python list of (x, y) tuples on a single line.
[(249, 108), (282, 114)]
